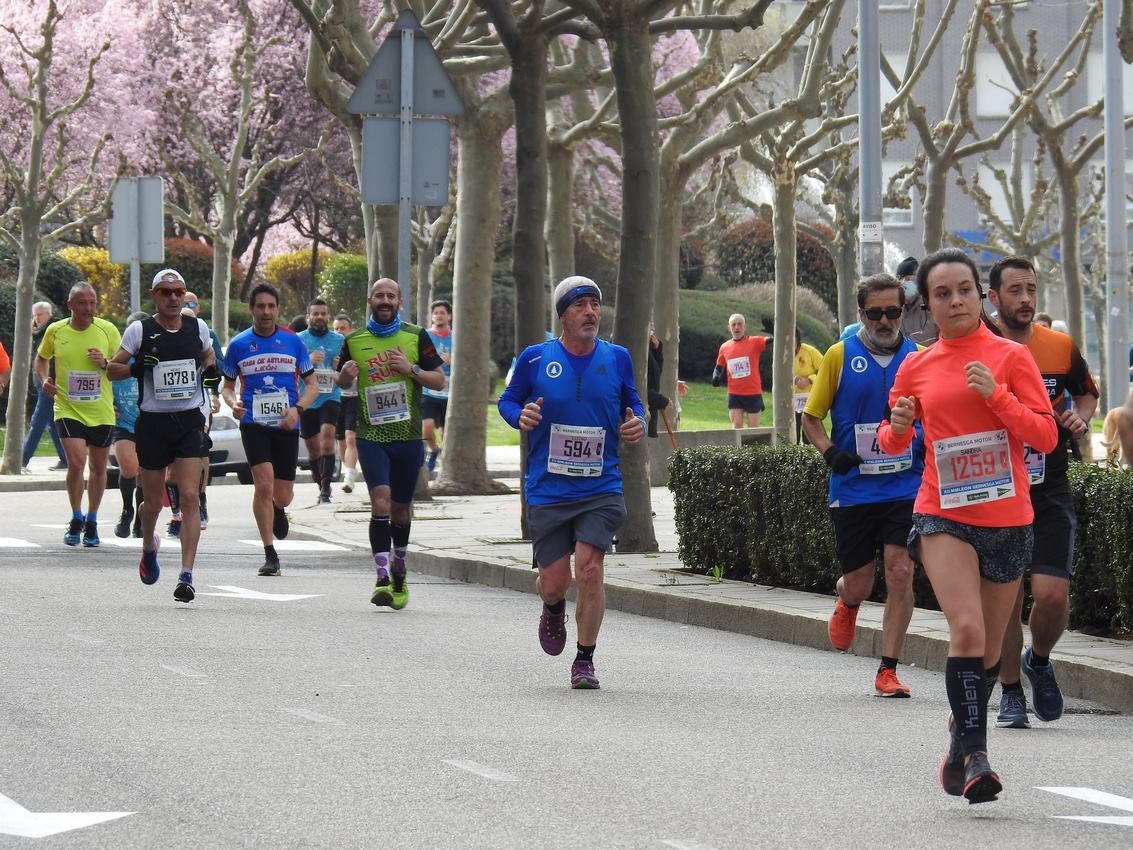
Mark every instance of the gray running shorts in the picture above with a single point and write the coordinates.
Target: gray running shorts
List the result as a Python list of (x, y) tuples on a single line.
[(1004, 553), (555, 528)]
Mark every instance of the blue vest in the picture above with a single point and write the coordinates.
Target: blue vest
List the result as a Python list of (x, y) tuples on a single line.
[(590, 397), (862, 397)]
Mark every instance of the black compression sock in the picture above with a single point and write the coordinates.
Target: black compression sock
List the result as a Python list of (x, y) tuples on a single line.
[(174, 493), (585, 653), (270, 552), (967, 695), (557, 608), (1013, 687), (1039, 660), (886, 661), (379, 534), (127, 486)]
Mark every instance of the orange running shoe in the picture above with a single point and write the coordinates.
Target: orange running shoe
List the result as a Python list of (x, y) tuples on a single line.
[(887, 685), (841, 626)]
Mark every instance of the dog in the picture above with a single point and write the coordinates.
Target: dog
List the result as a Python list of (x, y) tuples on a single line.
[(1111, 438)]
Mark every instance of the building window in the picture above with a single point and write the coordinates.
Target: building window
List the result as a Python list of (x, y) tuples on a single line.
[(994, 89)]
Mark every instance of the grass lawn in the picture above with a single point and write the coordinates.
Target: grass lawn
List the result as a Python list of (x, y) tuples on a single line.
[(45, 447)]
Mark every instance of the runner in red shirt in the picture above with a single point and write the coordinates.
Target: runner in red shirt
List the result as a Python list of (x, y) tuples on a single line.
[(980, 398), (737, 365)]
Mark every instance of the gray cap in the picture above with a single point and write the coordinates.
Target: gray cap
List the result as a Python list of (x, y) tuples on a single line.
[(573, 288)]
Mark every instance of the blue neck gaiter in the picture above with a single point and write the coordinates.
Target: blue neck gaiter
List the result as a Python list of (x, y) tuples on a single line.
[(388, 329)]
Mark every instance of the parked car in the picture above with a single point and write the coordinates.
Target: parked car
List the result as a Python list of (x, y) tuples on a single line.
[(227, 454)]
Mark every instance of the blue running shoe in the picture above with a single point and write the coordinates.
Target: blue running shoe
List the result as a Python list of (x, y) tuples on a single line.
[(184, 592), (74, 530), (90, 534), (148, 569), (1046, 697), (1013, 711)]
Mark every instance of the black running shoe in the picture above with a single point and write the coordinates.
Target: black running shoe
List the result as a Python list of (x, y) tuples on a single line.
[(279, 525), (90, 534), (74, 532), (270, 567), (184, 592), (122, 529), (952, 768), (981, 785)]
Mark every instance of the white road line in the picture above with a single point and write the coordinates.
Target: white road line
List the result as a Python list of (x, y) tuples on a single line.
[(481, 770), (299, 546), (1091, 795), (17, 543), (188, 672), (313, 716), (686, 845)]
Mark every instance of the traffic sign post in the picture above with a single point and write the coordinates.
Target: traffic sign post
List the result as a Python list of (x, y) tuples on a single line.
[(137, 228), (405, 79)]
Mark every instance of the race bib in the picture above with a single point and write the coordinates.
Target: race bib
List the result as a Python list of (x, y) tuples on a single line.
[(739, 367), (576, 450), (84, 386), (324, 378), (269, 408), (1036, 464), (386, 403), (974, 468), (874, 460), (175, 379), (800, 401)]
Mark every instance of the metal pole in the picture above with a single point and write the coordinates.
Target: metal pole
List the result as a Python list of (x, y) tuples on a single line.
[(1116, 238), (405, 181), (135, 285), (871, 257)]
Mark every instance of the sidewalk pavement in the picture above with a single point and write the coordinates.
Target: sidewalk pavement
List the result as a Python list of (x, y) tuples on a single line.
[(476, 539)]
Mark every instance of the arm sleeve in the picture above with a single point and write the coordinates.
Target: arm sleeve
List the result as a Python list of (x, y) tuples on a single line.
[(427, 357), (518, 391), (1023, 405), (630, 398), (821, 397)]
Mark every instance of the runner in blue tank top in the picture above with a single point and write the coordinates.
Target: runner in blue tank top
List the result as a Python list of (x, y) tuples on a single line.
[(575, 398), (317, 425)]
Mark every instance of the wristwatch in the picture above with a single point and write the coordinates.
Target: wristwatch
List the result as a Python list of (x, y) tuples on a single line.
[(415, 369)]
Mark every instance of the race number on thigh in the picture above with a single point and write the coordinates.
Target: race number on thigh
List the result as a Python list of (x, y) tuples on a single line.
[(974, 468), (386, 403), (576, 450), (84, 386), (269, 408), (175, 379), (874, 460)]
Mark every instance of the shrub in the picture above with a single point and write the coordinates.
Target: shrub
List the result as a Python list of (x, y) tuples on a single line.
[(747, 255), (55, 278), (775, 527), (110, 280), (290, 273), (193, 259), (344, 284)]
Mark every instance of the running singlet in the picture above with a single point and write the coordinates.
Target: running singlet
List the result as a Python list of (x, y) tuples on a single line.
[(442, 342), (573, 451), (83, 391), (174, 384), (1065, 374), (853, 387), (974, 472), (268, 368), (330, 344), (389, 403), (740, 357), (808, 359)]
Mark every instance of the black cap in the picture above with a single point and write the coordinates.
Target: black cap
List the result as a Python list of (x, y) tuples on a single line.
[(906, 267)]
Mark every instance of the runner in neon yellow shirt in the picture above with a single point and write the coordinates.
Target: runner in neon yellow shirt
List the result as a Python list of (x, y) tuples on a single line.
[(84, 402)]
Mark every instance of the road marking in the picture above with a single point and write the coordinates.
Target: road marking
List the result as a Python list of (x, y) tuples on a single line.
[(481, 770), (188, 672), (85, 639), (16, 820), (686, 845), (231, 592), (136, 543), (1100, 798), (310, 715), (17, 543), (300, 546)]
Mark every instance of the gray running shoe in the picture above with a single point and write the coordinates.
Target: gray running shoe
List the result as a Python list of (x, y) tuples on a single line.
[(1013, 711)]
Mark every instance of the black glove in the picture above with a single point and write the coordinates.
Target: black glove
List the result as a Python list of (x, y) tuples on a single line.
[(719, 377), (840, 461), (210, 377), (140, 364)]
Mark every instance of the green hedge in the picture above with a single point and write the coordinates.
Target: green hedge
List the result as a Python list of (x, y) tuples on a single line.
[(761, 512)]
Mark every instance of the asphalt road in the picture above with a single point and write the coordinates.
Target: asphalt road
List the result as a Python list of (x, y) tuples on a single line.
[(322, 721)]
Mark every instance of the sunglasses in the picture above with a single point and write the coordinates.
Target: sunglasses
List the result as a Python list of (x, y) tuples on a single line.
[(191, 304), (175, 293), (875, 313)]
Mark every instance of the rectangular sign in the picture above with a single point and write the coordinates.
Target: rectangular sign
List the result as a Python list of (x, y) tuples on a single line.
[(381, 152), (137, 221)]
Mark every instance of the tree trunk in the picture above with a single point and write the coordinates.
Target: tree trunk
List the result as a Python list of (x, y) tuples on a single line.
[(632, 64), (933, 208), (786, 273), (383, 251), (465, 470), (529, 254), (425, 256), (16, 412), (560, 211), (221, 278), (846, 264), (1069, 243)]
